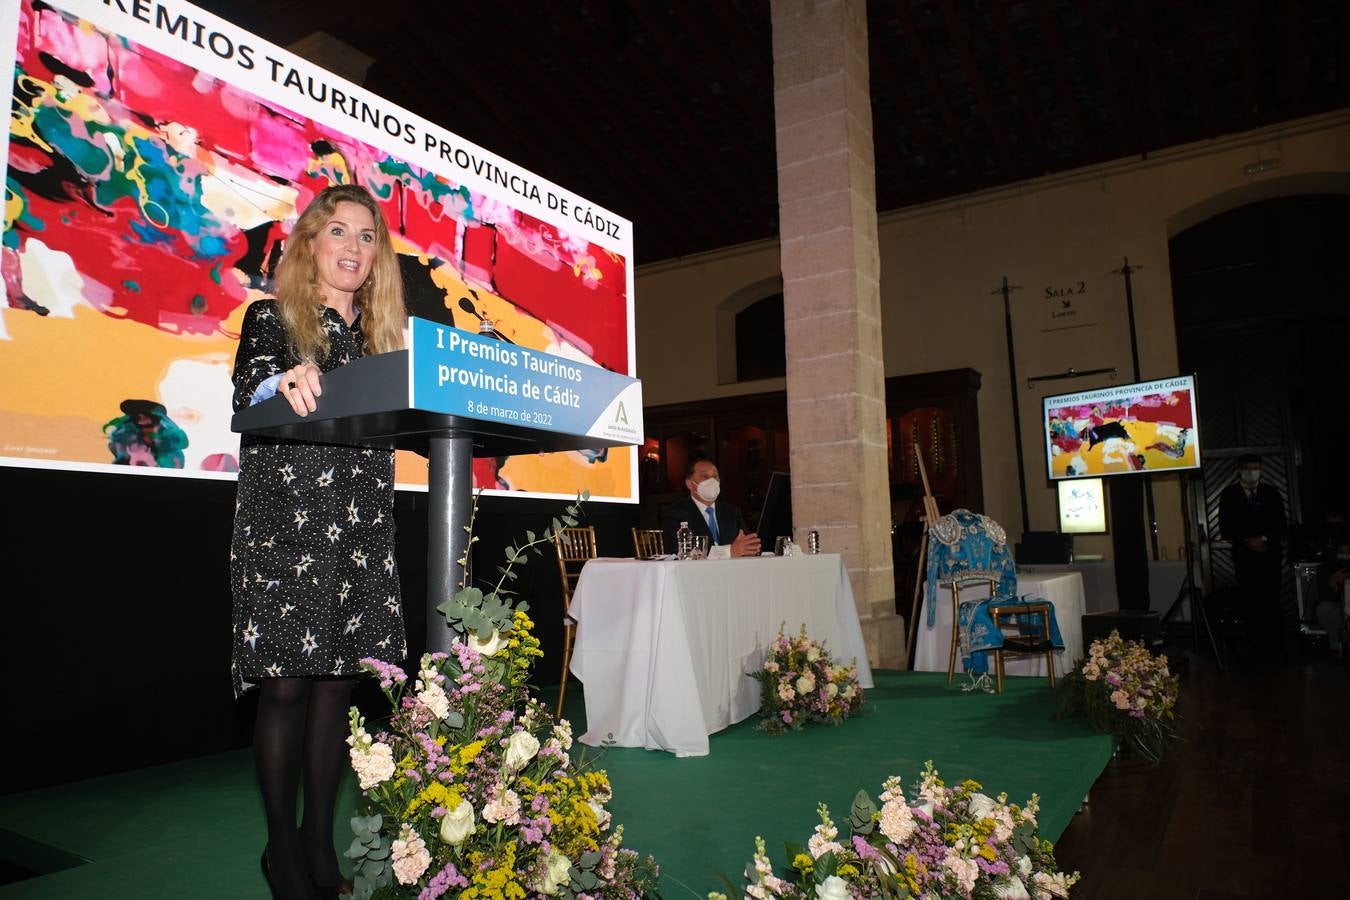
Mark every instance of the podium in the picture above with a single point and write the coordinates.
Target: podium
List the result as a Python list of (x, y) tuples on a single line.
[(452, 396)]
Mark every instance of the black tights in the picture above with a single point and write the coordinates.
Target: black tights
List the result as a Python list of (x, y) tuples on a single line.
[(300, 728)]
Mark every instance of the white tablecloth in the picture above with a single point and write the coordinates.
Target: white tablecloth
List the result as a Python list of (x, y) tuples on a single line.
[(1099, 581), (1064, 589), (663, 646)]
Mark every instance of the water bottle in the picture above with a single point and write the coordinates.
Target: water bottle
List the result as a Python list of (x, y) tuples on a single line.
[(813, 542), (684, 541)]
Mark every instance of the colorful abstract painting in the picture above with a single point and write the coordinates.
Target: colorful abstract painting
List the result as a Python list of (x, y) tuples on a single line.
[(1131, 428), (148, 197)]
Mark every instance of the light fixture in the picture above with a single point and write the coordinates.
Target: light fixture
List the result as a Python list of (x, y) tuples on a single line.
[(1261, 165)]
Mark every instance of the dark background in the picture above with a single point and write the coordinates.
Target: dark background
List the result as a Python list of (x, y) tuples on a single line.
[(117, 635)]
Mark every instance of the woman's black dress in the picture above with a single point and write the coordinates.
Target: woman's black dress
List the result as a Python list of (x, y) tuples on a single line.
[(312, 558)]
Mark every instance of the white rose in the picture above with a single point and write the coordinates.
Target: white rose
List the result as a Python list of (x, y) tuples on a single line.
[(812, 655), (556, 866), (982, 806), (489, 647), (832, 888), (602, 815), (1010, 888), (458, 824), (1024, 866), (831, 689), (848, 692), (520, 750), (806, 684)]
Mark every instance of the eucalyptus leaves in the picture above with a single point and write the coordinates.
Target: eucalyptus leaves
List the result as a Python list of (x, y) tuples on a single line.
[(481, 614), (470, 788)]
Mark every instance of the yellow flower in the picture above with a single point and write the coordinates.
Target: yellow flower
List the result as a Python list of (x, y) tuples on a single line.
[(498, 882), (436, 794), (459, 760), (803, 863)]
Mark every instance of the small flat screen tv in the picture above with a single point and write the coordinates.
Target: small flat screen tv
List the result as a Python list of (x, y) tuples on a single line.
[(1082, 506), (776, 517), (1127, 429)]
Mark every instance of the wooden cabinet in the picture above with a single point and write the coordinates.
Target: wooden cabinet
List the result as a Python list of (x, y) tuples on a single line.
[(748, 438)]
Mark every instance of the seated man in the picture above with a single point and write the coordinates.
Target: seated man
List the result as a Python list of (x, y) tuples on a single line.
[(722, 522)]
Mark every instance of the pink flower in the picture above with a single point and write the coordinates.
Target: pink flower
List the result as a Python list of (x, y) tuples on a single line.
[(409, 855)]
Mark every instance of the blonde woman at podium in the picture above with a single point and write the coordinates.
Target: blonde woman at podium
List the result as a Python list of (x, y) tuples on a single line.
[(312, 564)]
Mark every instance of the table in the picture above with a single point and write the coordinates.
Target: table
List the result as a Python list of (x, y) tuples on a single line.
[(662, 646), (1064, 589), (1165, 577), (1099, 581)]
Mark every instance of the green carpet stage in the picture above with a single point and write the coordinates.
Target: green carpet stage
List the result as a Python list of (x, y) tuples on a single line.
[(195, 828)]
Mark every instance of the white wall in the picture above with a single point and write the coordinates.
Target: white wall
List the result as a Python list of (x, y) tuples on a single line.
[(941, 262)]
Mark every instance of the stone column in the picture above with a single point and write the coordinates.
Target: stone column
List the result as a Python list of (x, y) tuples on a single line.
[(831, 300)]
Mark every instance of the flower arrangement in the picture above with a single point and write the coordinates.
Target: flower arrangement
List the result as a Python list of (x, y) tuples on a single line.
[(801, 683), (1125, 691), (945, 843), (469, 789)]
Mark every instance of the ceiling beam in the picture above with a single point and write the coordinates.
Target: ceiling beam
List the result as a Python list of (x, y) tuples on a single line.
[(1244, 17), (1108, 75), (893, 87), (1052, 45), (933, 85), (956, 31), (1296, 50), (1343, 56), (567, 101), (894, 182), (1195, 43), (759, 203), (1149, 53), (1031, 116), (481, 112), (676, 89)]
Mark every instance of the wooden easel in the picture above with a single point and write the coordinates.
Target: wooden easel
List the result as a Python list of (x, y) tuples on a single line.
[(930, 515)]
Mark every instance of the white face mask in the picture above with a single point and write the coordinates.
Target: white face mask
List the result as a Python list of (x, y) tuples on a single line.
[(708, 489), (1250, 477)]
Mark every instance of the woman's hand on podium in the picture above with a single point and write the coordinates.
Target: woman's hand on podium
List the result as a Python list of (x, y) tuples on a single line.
[(300, 387)]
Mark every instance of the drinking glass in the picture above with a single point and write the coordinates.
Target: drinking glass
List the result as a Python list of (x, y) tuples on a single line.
[(700, 550), (780, 545)]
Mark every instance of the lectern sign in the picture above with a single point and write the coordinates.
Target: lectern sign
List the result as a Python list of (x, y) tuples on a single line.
[(460, 373)]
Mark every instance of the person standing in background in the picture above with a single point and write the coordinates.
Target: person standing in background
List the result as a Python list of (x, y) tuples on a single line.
[(1251, 518)]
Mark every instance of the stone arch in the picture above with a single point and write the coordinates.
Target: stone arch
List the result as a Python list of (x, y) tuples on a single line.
[(736, 302), (1254, 192)]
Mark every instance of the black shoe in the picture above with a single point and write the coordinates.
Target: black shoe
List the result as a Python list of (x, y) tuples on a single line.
[(334, 892), (267, 876)]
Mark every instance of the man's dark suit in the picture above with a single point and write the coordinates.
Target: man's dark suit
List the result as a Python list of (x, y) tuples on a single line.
[(1258, 573), (729, 520)]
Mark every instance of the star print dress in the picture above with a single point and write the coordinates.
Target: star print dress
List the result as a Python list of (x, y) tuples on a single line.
[(312, 556)]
